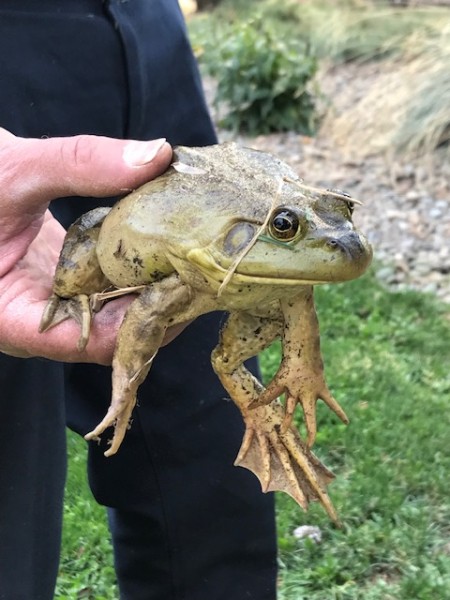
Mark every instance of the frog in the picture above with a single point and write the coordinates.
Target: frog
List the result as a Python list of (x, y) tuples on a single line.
[(232, 229)]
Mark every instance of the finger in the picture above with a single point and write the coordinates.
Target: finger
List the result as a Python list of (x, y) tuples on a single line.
[(35, 171)]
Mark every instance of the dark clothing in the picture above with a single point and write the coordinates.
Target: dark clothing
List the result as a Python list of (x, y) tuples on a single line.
[(32, 472), (186, 524)]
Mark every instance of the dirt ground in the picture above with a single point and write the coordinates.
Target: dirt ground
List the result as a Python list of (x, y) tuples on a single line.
[(406, 205)]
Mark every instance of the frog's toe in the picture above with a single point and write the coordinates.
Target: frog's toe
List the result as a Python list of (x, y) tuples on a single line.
[(282, 461), (308, 401), (297, 458), (334, 406), (119, 412), (117, 417), (55, 312), (258, 459), (59, 309), (271, 392), (309, 414), (291, 405)]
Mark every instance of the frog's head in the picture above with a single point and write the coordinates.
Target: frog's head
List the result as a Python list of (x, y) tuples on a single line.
[(308, 238), (275, 230)]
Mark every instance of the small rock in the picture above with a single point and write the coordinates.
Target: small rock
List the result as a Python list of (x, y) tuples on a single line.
[(442, 204), (412, 196), (435, 212), (406, 172), (385, 273), (308, 531)]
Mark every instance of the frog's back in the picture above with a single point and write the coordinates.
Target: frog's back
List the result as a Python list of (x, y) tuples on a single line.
[(187, 207)]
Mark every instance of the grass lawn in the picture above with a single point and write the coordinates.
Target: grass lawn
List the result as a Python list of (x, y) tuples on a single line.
[(387, 362)]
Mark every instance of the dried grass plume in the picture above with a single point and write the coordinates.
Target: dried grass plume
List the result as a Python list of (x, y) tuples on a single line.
[(406, 111)]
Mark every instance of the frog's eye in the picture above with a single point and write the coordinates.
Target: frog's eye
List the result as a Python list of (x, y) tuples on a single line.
[(284, 224)]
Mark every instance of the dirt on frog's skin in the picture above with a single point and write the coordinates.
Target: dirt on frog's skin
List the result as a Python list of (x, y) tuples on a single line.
[(406, 210)]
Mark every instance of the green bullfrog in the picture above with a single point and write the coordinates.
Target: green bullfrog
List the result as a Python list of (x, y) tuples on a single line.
[(224, 228)]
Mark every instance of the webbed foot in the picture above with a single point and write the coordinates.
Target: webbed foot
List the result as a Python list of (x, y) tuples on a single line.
[(281, 460)]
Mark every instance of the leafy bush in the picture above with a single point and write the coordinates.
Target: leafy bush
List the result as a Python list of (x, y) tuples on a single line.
[(263, 81)]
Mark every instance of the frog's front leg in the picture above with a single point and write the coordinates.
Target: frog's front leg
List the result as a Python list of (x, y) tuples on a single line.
[(279, 458), (161, 305), (300, 375)]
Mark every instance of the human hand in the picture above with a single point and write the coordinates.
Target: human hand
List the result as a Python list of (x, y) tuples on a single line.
[(32, 173)]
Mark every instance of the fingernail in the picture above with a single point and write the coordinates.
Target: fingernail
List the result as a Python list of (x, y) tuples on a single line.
[(138, 154)]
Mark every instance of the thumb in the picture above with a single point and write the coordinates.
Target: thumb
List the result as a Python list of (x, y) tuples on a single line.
[(35, 171)]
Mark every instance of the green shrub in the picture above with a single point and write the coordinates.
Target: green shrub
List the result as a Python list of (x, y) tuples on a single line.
[(263, 81)]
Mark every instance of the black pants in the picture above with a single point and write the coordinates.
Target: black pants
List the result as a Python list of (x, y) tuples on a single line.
[(186, 524)]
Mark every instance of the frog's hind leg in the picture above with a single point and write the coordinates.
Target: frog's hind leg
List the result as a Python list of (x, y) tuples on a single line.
[(78, 275), (277, 456), (139, 339)]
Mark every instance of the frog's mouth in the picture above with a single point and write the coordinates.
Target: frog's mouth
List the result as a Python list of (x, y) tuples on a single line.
[(214, 272)]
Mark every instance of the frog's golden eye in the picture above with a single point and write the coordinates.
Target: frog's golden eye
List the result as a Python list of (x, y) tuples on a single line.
[(284, 224)]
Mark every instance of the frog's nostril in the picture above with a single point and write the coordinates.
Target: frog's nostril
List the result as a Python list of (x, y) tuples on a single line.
[(350, 244), (337, 244)]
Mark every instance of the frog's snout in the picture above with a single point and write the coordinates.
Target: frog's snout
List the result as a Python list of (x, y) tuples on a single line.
[(350, 244)]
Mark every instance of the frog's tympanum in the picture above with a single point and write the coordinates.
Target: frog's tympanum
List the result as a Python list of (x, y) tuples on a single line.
[(225, 228)]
